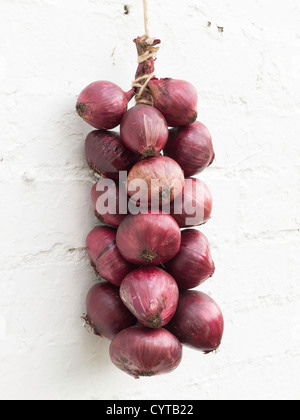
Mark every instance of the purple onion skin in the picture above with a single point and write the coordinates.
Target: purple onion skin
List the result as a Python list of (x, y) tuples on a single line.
[(193, 264), (177, 100), (198, 322), (106, 154), (160, 168), (103, 105), (106, 313), (202, 203), (144, 130), (148, 239), (191, 147), (113, 220), (141, 351), (105, 256), (151, 295)]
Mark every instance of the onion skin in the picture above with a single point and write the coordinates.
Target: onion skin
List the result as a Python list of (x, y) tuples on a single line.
[(144, 130), (151, 295), (113, 220), (161, 168), (198, 322), (141, 351), (148, 239), (191, 147), (103, 104), (105, 256), (193, 264), (106, 313), (196, 194), (177, 100), (106, 154)]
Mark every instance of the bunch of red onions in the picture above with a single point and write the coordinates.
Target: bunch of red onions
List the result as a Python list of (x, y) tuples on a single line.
[(145, 259)]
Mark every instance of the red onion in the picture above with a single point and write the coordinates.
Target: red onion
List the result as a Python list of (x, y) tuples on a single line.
[(106, 154), (148, 239), (112, 197), (195, 208), (141, 351), (198, 322), (105, 256), (151, 295), (158, 177), (191, 147), (103, 104), (144, 130), (106, 313), (176, 100), (193, 264)]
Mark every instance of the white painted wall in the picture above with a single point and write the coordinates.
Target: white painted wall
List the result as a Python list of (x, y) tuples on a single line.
[(248, 82)]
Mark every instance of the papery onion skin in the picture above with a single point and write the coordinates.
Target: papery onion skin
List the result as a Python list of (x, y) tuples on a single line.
[(148, 239), (151, 295), (106, 313), (110, 219), (193, 264), (177, 100), (103, 104), (144, 130), (201, 200), (191, 147), (107, 155), (141, 351), (160, 168), (198, 322), (105, 256)]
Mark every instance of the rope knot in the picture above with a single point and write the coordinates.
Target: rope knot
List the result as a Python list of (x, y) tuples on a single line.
[(147, 52)]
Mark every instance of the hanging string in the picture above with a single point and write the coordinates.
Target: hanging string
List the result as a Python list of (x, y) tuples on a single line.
[(146, 17)]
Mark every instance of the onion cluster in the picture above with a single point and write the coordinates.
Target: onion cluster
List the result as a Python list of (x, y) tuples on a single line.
[(146, 261)]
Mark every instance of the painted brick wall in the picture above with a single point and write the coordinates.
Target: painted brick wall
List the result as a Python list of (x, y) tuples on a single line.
[(244, 59)]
